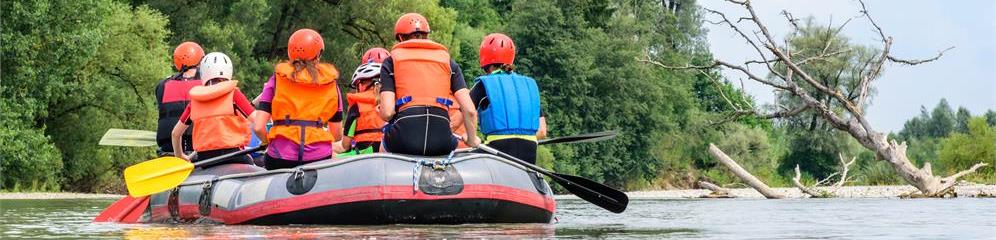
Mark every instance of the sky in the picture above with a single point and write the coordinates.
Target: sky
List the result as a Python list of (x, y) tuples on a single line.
[(965, 75)]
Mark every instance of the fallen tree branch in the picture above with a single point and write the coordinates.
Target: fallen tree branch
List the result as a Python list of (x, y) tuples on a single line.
[(797, 181), (743, 174), (717, 191)]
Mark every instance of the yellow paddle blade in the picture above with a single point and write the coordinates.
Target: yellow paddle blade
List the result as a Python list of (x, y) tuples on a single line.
[(156, 175)]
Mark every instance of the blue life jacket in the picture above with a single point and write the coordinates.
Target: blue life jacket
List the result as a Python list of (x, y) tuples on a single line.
[(515, 105)]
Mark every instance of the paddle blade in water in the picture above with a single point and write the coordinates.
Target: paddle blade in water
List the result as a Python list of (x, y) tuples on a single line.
[(156, 175), (128, 138), (596, 193), (126, 210)]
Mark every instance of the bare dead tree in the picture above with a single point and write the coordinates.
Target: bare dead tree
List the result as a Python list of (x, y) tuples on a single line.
[(852, 120), (829, 191)]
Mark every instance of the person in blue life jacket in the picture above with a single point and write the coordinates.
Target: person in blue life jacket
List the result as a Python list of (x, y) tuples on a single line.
[(508, 103)]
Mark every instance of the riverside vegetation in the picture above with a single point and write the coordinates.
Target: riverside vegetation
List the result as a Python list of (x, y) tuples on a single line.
[(73, 69)]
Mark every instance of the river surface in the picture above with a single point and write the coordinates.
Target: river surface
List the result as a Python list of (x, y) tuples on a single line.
[(963, 218)]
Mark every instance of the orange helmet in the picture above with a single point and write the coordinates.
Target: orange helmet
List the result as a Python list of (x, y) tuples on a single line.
[(411, 23), (187, 54), (305, 44), (376, 55), (497, 48)]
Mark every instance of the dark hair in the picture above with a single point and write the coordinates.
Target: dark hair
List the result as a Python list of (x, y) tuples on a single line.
[(214, 81), (184, 69), (504, 67), (414, 35)]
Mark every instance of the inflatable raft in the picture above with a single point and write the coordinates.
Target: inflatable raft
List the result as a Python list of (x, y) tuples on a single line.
[(368, 189)]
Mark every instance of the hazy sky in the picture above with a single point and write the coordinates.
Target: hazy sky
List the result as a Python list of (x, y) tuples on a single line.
[(966, 75)]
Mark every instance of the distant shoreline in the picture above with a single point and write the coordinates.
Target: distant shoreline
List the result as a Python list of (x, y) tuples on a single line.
[(56, 195), (844, 192)]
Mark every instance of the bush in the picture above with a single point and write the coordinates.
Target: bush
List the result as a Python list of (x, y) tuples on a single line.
[(28, 160), (960, 151)]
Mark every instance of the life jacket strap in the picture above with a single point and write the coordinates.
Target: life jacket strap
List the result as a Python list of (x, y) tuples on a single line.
[(366, 131), (299, 123), (407, 99)]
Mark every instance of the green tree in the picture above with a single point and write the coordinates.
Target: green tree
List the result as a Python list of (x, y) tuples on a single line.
[(83, 67), (814, 144), (962, 150)]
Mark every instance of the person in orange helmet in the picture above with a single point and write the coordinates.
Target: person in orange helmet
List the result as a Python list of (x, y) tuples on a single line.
[(509, 103), (172, 96), (302, 100), (363, 127), (218, 112), (419, 78)]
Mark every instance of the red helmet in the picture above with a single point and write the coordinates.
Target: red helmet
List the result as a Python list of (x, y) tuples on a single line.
[(305, 44), (497, 48), (187, 54), (411, 23), (376, 55)]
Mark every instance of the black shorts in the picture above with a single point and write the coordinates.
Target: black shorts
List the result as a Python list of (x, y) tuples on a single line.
[(205, 155), (420, 131), (520, 148), (271, 163), (364, 145)]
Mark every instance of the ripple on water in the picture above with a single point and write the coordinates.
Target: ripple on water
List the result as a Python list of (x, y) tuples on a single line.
[(645, 219)]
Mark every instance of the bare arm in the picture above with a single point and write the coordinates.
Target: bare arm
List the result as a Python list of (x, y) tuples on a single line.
[(177, 138), (343, 145), (541, 132), (259, 120), (469, 116), (336, 129), (387, 106)]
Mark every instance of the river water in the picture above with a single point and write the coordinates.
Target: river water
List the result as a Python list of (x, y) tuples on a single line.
[(962, 218)]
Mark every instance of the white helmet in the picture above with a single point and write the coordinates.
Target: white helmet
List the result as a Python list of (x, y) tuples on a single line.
[(365, 71), (216, 65)]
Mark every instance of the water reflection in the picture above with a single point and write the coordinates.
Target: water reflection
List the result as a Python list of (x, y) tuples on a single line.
[(482, 231), (645, 219)]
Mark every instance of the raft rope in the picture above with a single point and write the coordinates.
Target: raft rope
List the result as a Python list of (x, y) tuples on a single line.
[(417, 173), (437, 164)]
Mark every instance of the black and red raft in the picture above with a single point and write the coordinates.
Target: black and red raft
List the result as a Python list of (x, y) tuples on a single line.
[(361, 190)]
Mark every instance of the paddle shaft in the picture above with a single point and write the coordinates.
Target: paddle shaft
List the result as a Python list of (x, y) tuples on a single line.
[(555, 176), (599, 136), (228, 155)]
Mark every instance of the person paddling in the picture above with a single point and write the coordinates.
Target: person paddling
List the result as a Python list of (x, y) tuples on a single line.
[(302, 99), (172, 96), (218, 111), (419, 77), (509, 103), (363, 127)]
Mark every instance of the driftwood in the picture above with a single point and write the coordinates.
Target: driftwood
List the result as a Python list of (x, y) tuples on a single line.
[(824, 193), (794, 80), (717, 191), (743, 174)]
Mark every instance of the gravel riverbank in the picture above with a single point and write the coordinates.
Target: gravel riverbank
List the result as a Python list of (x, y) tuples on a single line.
[(844, 192)]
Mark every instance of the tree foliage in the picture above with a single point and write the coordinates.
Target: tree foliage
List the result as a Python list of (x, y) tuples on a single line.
[(73, 69)]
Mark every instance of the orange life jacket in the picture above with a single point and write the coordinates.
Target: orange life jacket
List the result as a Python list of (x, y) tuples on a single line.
[(421, 74), (216, 124), (456, 117), (369, 124), (302, 106)]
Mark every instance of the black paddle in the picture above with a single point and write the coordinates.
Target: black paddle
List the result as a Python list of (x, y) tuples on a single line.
[(591, 191), (590, 137)]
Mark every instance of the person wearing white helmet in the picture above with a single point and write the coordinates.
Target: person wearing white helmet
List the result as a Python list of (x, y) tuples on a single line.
[(363, 128), (218, 111)]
